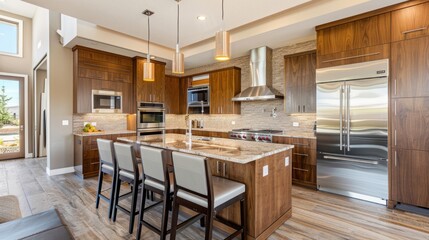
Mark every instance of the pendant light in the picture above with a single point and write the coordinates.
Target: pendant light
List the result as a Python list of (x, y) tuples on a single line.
[(148, 67), (178, 58), (223, 44)]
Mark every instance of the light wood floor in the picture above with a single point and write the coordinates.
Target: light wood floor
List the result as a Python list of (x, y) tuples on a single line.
[(316, 215)]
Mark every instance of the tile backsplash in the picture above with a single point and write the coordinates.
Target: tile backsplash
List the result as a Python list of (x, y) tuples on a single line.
[(106, 122)]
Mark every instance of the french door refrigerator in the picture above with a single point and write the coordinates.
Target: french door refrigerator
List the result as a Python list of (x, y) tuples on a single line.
[(352, 127)]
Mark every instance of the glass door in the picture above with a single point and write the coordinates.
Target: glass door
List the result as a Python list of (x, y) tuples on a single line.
[(11, 117)]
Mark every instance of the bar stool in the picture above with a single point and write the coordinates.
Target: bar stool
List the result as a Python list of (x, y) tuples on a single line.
[(195, 188), (107, 166), (129, 172), (158, 179)]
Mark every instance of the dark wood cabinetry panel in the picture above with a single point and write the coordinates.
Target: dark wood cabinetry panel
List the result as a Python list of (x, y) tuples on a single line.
[(410, 178), (224, 85), (94, 69), (411, 22), (172, 95), (410, 68), (371, 31), (149, 91), (300, 83), (354, 56), (184, 83), (410, 123)]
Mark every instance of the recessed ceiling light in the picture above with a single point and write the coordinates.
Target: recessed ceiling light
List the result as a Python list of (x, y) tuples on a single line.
[(201, 18)]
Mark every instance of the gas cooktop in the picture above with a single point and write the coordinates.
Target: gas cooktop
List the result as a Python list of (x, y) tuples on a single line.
[(259, 135)]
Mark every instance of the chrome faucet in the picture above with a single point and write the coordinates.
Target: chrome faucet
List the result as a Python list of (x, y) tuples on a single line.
[(189, 125)]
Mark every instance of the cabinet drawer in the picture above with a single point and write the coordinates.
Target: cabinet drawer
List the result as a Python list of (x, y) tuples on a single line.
[(354, 56), (297, 142), (90, 167), (362, 33), (92, 140), (304, 173), (411, 22), (304, 156)]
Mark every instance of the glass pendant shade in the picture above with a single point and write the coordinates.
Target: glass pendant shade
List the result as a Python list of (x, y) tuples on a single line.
[(178, 63), (223, 46), (148, 71)]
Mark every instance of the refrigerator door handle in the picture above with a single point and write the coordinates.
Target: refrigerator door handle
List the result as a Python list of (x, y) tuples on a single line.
[(348, 118), (350, 160), (341, 116)]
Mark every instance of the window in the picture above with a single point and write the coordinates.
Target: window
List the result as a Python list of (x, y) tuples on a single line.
[(10, 36)]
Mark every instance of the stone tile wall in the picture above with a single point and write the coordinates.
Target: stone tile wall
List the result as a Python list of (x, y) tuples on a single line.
[(107, 122)]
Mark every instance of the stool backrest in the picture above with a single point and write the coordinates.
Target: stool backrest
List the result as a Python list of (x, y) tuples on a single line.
[(153, 162), (190, 172), (106, 151), (125, 157)]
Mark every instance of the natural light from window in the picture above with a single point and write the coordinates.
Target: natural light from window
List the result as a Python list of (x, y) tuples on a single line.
[(10, 36)]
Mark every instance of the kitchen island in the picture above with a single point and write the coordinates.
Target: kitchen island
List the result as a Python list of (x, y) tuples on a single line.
[(264, 168)]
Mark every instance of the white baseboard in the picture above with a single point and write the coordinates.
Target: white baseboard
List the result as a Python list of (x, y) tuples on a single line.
[(59, 171)]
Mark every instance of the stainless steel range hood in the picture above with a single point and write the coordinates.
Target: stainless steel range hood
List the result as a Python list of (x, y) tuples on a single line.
[(261, 74)]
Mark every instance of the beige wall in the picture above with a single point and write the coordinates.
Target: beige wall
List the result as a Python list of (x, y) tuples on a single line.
[(60, 99), (21, 65), (40, 35), (256, 114)]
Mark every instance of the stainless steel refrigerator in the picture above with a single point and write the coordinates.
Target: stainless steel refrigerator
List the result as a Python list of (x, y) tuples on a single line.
[(352, 127)]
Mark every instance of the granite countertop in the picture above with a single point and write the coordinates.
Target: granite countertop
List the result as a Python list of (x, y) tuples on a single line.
[(284, 134), (219, 148), (83, 134)]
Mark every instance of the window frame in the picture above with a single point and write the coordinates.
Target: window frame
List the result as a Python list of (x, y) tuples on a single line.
[(20, 24)]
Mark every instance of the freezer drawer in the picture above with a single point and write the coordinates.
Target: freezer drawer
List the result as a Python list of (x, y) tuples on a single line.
[(365, 179)]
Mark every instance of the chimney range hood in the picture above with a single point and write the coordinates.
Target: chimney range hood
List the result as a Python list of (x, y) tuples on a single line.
[(261, 76)]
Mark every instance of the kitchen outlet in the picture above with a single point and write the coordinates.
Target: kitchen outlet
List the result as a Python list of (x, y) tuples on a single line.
[(286, 161), (295, 124), (265, 170), (65, 122), (233, 122), (94, 124)]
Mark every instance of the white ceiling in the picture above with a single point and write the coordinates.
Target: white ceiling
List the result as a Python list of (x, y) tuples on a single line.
[(18, 7), (126, 16)]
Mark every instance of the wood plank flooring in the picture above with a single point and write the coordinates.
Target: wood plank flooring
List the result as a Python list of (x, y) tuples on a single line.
[(315, 215)]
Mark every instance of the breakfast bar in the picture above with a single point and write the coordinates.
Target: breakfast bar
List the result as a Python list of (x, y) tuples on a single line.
[(264, 168)]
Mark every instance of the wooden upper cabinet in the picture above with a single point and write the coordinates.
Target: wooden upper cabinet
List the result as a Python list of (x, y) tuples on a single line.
[(224, 85), (411, 22), (184, 84), (300, 83), (172, 95), (98, 70), (362, 33), (409, 68), (149, 91)]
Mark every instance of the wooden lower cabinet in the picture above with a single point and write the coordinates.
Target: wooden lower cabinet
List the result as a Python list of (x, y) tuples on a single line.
[(86, 159), (304, 164), (410, 178), (203, 133), (268, 197)]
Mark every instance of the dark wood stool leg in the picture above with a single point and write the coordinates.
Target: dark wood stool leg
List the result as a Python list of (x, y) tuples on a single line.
[(164, 219), (209, 224), (174, 218), (112, 195), (141, 214), (243, 216), (203, 222), (117, 191), (100, 184), (133, 208)]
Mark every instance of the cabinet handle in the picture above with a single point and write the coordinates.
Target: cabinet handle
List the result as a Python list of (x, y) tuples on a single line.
[(300, 154), (395, 137), (221, 110), (415, 30), (224, 169), (217, 167), (300, 169), (396, 158), (299, 108), (301, 144), (347, 58), (395, 107), (303, 108), (395, 87)]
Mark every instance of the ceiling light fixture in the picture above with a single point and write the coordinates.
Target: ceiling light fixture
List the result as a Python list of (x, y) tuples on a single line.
[(201, 18), (223, 44), (178, 58), (148, 67)]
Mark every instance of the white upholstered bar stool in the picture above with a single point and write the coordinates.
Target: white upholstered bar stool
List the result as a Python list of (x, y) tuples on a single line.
[(107, 166), (195, 188), (128, 171)]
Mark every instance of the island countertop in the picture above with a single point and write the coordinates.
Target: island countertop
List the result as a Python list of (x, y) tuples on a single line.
[(219, 148)]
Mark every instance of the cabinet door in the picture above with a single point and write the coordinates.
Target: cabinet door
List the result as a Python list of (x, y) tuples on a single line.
[(410, 71), (410, 178), (158, 84), (215, 91), (184, 83), (308, 83), (172, 95), (362, 33), (410, 123), (224, 85), (143, 89), (411, 22), (82, 95), (128, 99), (293, 71)]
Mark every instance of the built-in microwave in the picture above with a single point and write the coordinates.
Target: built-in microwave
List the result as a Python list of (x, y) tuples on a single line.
[(106, 101), (150, 115), (199, 96)]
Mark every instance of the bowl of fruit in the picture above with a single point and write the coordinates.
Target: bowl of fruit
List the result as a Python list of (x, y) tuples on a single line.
[(89, 128)]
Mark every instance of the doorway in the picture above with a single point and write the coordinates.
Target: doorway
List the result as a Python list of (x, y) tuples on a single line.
[(40, 84), (12, 117)]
